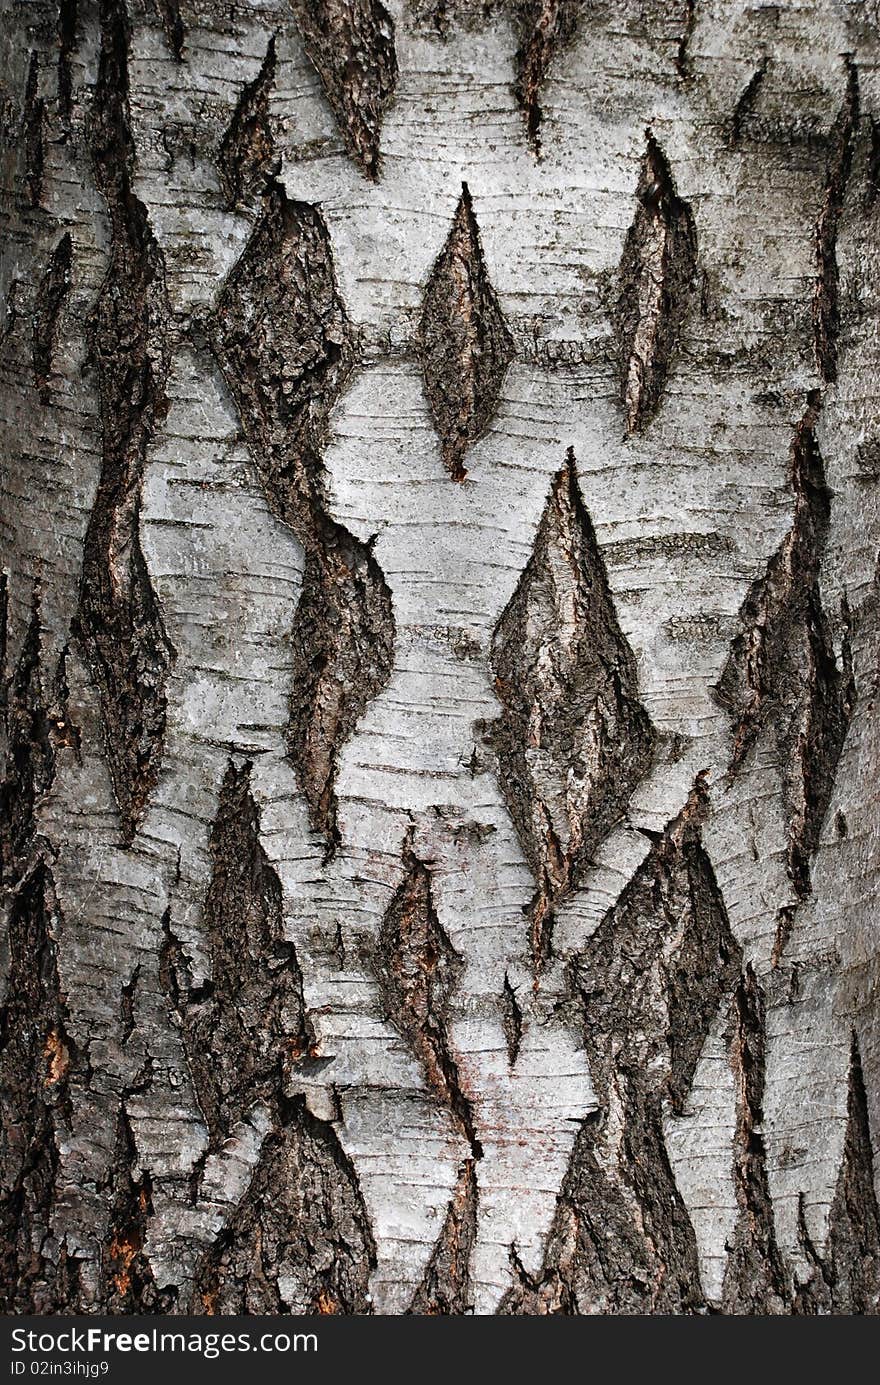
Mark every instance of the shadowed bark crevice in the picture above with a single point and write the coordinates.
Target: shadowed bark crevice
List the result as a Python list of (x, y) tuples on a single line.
[(846, 1278), (53, 289), (755, 1279), (464, 345), (247, 158), (246, 1024), (826, 296), (418, 970), (34, 133), (573, 740), (782, 676), (119, 622), (300, 1239), (649, 984), (351, 46), (446, 1286), (544, 28), (656, 274)]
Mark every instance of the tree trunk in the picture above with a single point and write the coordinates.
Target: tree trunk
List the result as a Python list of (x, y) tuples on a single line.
[(439, 849)]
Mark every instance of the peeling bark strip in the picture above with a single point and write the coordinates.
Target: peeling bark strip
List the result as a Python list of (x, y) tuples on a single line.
[(826, 298), (656, 271), (847, 1279), (418, 969), (464, 343), (782, 675), (300, 1240), (119, 621), (544, 27), (755, 1279), (53, 289), (351, 45), (247, 152), (573, 740), (285, 345), (37, 1058), (446, 1287), (650, 982), (245, 1026)]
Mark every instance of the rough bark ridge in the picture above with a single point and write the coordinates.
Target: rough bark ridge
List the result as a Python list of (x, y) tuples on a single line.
[(119, 622), (648, 985), (422, 897), (286, 347), (783, 673), (573, 739)]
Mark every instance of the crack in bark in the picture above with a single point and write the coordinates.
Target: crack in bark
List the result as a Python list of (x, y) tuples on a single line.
[(52, 291), (755, 1278), (446, 1284), (826, 297), (247, 158), (573, 739), (33, 132), (129, 1286), (300, 1240), (119, 621), (67, 22), (656, 273), (544, 28), (173, 25), (38, 1061), (247, 1025), (650, 982), (285, 345), (463, 342), (418, 970), (746, 104), (512, 1020), (846, 1280), (782, 674), (351, 46)]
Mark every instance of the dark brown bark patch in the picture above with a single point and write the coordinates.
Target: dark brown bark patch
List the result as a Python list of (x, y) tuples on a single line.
[(544, 28), (649, 984), (418, 970), (285, 345), (351, 45), (755, 1280), (300, 1240), (464, 343), (782, 674), (129, 1286), (38, 1060), (826, 297), (53, 289), (656, 273), (511, 1019), (247, 151), (846, 1280), (573, 740), (119, 621), (246, 1025), (446, 1286)]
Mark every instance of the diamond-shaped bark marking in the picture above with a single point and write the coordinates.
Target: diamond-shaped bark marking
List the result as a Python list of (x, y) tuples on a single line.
[(656, 271), (782, 675), (351, 45), (418, 969), (285, 345), (573, 739), (465, 346)]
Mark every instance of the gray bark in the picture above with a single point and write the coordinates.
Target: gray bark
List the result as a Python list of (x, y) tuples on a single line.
[(440, 652)]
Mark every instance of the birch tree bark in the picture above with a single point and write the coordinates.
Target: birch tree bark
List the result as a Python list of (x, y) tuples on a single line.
[(440, 464)]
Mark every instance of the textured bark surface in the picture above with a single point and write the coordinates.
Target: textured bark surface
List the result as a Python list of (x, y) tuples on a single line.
[(440, 639)]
